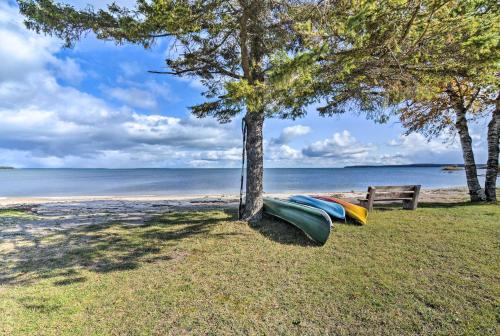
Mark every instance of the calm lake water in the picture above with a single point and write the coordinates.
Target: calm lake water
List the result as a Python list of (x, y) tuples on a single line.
[(75, 182)]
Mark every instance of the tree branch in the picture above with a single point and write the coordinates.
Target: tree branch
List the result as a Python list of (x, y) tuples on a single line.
[(410, 22), (472, 99)]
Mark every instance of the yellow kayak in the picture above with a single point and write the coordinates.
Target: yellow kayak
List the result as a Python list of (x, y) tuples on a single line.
[(356, 212)]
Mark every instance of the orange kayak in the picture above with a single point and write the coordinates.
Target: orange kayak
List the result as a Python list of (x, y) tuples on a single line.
[(356, 212)]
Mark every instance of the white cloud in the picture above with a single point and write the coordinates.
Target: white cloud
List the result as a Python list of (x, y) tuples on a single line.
[(278, 151), (231, 154), (416, 143), (69, 70), (130, 69), (289, 133), (294, 131), (416, 148), (52, 120), (46, 124), (290, 153), (133, 97), (156, 129), (341, 146), (283, 152), (21, 51), (341, 149), (144, 95)]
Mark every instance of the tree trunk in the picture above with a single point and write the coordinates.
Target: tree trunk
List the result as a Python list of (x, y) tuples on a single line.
[(255, 167), (475, 191), (490, 183)]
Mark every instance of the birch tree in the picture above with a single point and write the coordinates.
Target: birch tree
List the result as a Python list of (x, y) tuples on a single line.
[(433, 63)]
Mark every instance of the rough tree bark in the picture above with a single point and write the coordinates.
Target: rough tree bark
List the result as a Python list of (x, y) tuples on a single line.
[(475, 191), (255, 167), (251, 58), (490, 183)]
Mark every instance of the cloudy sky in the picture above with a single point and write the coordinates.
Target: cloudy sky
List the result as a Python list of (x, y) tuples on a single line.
[(96, 106)]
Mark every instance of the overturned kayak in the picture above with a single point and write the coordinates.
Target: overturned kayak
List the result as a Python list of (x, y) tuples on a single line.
[(312, 221), (356, 212), (333, 209)]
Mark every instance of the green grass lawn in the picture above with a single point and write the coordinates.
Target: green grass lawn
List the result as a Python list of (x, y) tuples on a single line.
[(431, 271)]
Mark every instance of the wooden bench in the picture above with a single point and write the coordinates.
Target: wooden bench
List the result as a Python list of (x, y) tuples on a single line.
[(407, 194)]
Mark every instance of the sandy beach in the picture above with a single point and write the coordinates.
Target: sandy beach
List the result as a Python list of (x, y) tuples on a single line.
[(441, 195), (65, 212)]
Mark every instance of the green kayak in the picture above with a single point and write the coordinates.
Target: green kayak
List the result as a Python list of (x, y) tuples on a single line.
[(313, 221)]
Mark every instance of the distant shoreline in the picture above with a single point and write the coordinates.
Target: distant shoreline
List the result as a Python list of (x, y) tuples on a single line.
[(418, 165), (413, 165)]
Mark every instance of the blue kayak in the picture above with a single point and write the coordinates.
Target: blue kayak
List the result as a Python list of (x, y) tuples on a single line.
[(333, 209)]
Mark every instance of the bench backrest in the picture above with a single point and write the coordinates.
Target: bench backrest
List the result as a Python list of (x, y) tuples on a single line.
[(393, 192)]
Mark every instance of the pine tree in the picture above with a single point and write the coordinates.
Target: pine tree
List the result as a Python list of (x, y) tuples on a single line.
[(229, 45)]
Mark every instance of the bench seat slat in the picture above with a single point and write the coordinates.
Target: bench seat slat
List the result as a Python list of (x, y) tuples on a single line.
[(410, 192), (394, 188), (405, 194)]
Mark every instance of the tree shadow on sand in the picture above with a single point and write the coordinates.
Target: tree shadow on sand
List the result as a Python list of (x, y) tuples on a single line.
[(30, 254)]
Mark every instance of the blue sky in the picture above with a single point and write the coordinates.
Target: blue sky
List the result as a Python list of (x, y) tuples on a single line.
[(97, 106)]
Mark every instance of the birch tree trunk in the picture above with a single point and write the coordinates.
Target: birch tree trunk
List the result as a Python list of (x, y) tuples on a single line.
[(255, 167), (475, 191), (493, 150)]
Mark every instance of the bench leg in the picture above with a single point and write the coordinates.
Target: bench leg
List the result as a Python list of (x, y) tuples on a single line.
[(363, 203), (409, 205), (366, 204), (370, 198), (416, 195), (412, 205)]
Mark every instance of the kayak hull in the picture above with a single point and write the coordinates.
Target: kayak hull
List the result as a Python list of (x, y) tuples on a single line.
[(335, 210), (356, 212), (314, 222)]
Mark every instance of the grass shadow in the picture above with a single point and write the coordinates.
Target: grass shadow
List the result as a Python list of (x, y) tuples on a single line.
[(387, 206), (428, 205), (101, 248), (436, 205), (282, 232), (39, 304), (348, 221), (69, 281)]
